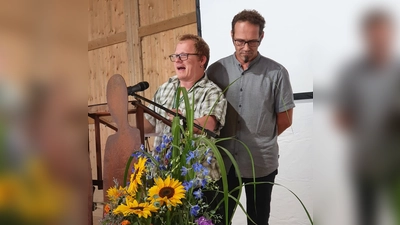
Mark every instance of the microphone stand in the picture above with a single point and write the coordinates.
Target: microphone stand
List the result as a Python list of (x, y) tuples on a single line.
[(208, 132)]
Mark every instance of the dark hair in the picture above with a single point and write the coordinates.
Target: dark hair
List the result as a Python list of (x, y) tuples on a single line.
[(251, 16), (375, 17), (200, 45)]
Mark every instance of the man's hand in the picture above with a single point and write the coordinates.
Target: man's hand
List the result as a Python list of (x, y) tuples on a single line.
[(284, 120), (171, 116)]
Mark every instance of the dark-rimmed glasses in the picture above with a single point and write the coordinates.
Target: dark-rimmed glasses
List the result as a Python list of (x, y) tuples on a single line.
[(242, 43), (181, 56)]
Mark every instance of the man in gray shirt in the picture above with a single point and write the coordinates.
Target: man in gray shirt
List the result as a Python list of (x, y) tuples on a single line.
[(260, 107)]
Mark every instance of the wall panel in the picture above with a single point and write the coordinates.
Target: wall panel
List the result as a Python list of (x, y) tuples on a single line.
[(105, 18), (103, 63)]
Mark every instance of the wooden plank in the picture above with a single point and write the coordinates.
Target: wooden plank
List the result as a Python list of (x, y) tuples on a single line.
[(169, 24), (134, 48), (107, 41), (103, 63), (105, 18)]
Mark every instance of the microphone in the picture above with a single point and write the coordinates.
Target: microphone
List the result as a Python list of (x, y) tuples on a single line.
[(141, 86)]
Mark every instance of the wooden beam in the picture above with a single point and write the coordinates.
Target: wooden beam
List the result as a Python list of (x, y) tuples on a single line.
[(169, 24), (134, 45), (107, 41)]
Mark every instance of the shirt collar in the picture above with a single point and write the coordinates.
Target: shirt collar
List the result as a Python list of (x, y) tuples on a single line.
[(200, 83)]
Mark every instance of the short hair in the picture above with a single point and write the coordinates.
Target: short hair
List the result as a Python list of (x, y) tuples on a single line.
[(376, 16), (200, 45), (251, 16)]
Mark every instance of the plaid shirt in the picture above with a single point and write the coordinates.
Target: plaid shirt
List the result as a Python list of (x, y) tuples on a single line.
[(206, 94)]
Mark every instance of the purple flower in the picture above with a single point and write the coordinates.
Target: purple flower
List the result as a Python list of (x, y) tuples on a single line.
[(198, 194), (203, 221), (142, 147), (194, 210), (158, 149)]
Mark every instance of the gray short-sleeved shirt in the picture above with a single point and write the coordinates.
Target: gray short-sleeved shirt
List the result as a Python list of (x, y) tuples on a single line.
[(259, 93)]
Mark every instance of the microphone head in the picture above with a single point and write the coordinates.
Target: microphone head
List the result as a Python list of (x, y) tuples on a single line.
[(144, 85)]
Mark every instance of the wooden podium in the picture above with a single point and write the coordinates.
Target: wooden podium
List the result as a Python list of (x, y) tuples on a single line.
[(99, 114)]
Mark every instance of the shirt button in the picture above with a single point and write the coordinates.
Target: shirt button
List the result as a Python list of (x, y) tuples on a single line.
[(240, 105), (241, 89)]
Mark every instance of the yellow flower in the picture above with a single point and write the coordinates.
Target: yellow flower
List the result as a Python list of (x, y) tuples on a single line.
[(133, 207), (125, 222), (136, 177), (168, 191), (113, 193)]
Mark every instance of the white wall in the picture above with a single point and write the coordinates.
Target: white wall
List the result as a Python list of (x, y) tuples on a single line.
[(295, 171)]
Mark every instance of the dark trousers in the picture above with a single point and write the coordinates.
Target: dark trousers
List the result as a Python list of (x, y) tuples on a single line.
[(257, 208)]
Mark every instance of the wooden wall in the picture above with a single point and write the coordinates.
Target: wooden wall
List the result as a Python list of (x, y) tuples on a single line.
[(133, 38)]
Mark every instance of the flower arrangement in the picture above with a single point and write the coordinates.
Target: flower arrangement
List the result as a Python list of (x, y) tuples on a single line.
[(167, 187), (154, 195)]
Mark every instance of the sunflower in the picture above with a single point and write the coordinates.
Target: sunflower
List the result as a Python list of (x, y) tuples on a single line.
[(113, 193), (136, 177), (168, 191), (133, 207)]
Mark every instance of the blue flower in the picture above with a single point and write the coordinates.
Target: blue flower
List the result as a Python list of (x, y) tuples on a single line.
[(163, 145), (189, 157), (209, 158), (198, 194), (187, 185), (138, 154), (184, 171), (205, 171), (168, 155), (162, 167), (207, 151), (197, 167), (142, 147), (158, 149), (194, 210), (193, 143), (203, 183)]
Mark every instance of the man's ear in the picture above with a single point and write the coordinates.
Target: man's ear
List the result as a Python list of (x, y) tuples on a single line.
[(203, 60)]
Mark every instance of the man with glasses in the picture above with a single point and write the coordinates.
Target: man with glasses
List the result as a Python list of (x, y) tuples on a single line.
[(260, 107), (190, 61)]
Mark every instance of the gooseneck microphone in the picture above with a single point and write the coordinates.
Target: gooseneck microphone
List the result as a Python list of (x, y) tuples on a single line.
[(141, 86)]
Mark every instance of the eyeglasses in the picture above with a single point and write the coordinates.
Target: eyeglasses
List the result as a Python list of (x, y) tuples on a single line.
[(182, 56), (242, 43)]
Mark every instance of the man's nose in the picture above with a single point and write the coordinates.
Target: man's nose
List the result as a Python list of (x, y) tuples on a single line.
[(246, 46), (178, 59)]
